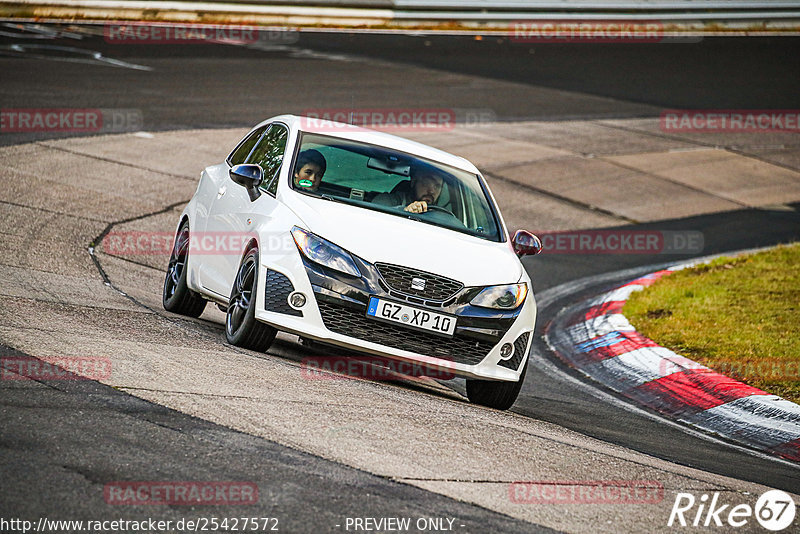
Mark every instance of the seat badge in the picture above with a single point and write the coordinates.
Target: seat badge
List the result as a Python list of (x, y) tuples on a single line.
[(418, 284)]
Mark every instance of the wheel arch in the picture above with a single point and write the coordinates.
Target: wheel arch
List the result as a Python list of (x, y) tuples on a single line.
[(253, 243)]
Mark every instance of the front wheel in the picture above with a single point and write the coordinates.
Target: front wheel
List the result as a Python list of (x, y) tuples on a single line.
[(176, 296), (494, 394), (241, 327)]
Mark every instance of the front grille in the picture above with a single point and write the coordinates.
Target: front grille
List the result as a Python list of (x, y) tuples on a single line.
[(353, 322), (519, 352), (276, 294), (400, 279)]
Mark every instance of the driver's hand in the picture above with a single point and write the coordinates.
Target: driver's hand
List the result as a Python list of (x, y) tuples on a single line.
[(420, 206)]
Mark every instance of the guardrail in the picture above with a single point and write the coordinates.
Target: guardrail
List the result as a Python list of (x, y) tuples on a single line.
[(593, 5), (748, 15), (529, 5)]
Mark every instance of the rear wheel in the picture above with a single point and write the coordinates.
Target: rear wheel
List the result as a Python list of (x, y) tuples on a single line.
[(495, 394), (176, 296), (241, 327)]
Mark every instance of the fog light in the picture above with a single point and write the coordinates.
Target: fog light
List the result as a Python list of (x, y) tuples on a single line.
[(297, 300), (506, 351)]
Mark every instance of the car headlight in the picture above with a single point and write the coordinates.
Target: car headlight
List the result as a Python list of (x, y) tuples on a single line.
[(324, 252), (505, 297)]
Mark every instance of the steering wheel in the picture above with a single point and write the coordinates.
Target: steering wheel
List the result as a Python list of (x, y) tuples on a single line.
[(439, 208), (435, 211)]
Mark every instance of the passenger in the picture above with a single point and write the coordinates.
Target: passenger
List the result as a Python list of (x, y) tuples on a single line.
[(309, 169), (423, 191)]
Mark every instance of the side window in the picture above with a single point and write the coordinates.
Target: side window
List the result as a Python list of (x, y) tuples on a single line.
[(268, 154), (240, 153), (478, 218)]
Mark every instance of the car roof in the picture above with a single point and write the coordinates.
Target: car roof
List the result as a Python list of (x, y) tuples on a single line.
[(366, 135)]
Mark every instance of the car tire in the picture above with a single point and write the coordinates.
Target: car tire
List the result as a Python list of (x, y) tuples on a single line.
[(495, 394), (241, 327), (176, 296)]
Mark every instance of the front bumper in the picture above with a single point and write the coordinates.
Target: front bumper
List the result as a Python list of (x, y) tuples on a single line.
[(337, 314)]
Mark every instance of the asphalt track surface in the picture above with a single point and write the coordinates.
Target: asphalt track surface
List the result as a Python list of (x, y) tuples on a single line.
[(211, 86), (217, 86), (55, 460)]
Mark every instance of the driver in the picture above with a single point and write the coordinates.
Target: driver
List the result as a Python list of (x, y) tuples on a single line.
[(424, 190)]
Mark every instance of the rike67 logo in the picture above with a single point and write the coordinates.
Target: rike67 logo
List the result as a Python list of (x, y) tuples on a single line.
[(774, 510)]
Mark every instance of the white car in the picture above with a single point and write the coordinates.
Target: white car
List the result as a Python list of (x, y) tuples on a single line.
[(363, 240)]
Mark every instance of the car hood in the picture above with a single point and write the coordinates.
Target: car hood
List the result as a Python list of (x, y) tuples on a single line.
[(381, 237)]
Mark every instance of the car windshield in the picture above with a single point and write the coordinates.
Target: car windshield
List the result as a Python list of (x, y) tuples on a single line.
[(387, 180)]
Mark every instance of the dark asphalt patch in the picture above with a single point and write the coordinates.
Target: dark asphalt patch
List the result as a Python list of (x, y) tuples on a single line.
[(62, 441)]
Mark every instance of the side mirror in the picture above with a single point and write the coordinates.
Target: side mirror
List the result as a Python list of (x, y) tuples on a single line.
[(525, 243), (248, 176)]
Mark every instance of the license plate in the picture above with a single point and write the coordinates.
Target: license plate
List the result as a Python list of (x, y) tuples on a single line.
[(393, 312)]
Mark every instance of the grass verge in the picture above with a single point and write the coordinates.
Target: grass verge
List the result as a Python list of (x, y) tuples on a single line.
[(739, 316)]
